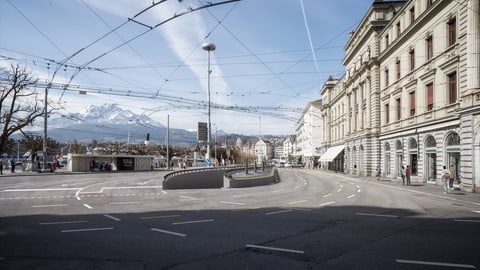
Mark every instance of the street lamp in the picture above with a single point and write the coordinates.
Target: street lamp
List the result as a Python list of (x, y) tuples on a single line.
[(208, 47)]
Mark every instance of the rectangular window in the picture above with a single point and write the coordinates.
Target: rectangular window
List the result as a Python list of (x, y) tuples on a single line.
[(412, 103), (429, 45), (387, 41), (411, 55), (387, 82), (429, 96), (412, 15), (399, 109), (399, 29), (398, 67), (387, 113), (452, 88), (452, 32)]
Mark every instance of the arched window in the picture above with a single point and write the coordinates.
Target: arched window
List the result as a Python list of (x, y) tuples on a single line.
[(430, 142)]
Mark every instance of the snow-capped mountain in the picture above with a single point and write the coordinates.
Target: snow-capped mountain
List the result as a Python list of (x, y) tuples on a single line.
[(102, 114), (109, 122)]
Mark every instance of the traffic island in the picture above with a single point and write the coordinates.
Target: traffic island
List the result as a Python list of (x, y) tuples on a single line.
[(238, 179)]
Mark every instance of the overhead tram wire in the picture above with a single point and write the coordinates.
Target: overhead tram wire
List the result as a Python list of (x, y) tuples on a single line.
[(276, 75), (181, 102), (177, 67), (149, 28)]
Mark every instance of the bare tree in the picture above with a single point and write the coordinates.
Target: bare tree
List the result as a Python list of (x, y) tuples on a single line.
[(19, 106)]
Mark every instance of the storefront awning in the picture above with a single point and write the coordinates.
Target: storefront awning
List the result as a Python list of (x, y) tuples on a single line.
[(332, 153)]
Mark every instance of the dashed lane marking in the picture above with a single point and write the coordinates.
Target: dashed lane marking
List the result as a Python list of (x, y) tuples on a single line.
[(168, 232), (160, 217), (327, 203), (111, 217), (276, 249), (49, 205), (437, 264), (297, 202), (235, 203), (88, 230), (278, 212), (192, 222), (376, 215), (63, 222)]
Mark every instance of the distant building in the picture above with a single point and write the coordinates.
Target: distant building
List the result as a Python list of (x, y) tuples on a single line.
[(289, 147), (263, 151), (310, 134)]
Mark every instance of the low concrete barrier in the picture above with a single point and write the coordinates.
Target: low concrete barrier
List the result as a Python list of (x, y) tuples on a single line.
[(195, 178)]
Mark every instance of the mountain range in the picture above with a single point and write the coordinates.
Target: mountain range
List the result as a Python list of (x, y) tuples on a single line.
[(108, 123)]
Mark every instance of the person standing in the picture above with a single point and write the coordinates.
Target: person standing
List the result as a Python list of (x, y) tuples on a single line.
[(12, 165), (403, 175), (408, 173), (446, 179), (453, 176), (379, 172), (1, 166)]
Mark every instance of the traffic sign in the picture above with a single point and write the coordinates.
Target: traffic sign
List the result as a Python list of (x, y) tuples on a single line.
[(207, 162)]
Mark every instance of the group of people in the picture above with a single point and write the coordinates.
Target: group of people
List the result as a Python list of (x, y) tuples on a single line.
[(12, 166), (448, 176)]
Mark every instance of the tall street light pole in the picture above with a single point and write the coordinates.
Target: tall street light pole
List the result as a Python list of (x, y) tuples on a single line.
[(209, 47)]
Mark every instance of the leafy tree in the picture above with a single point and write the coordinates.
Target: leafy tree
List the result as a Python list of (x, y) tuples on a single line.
[(19, 106)]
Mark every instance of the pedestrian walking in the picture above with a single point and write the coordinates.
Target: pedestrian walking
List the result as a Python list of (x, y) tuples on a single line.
[(379, 172), (403, 175), (12, 165), (408, 173), (1, 166), (446, 179)]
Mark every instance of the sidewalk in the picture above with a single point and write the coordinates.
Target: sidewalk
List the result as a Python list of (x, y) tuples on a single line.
[(433, 190)]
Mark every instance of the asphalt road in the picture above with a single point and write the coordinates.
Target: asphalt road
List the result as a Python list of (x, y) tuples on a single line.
[(310, 220)]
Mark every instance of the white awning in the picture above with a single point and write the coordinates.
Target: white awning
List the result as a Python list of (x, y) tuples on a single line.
[(332, 153)]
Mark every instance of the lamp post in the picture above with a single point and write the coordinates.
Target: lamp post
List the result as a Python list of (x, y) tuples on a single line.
[(208, 47)]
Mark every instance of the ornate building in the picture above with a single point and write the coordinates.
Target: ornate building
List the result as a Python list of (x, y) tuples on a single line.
[(411, 92)]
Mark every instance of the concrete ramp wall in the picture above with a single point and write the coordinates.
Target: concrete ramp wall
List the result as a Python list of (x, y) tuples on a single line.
[(194, 179)]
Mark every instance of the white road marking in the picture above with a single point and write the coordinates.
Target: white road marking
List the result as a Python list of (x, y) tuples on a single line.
[(236, 203), (111, 217), (351, 196), (88, 230), (276, 249), (191, 222), (169, 232), (327, 203), (49, 205), (242, 195), (38, 189), (475, 211), (187, 197), (468, 220), (278, 191), (114, 203), (87, 206), (437, 264), (376, 215), (278, 212), (297, 187), (164, 192)]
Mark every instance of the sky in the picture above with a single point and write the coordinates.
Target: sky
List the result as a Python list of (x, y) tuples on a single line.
[(272, 57)]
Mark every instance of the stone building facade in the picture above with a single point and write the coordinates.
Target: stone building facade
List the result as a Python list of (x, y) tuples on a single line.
[(411, 92)]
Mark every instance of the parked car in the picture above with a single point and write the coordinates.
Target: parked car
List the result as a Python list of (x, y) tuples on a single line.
[(288, 165), (299, 165)]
